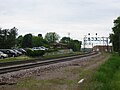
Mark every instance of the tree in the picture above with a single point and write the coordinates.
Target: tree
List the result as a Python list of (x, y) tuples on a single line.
[(8, 38), (4, 38), (40, 35), (115, 36), (12, 37), (19, 41), (75, 45), (37, 41), (27, 41), (52, 37), (65, 40)]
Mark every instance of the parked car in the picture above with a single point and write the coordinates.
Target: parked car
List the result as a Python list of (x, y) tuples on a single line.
[(3, 55), (22, 50), (37, 48), (17, 52), (44, 48), (10, 53), (40, 48)]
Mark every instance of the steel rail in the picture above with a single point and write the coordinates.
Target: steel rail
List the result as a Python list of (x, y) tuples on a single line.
[(12, 68), (4, 64)]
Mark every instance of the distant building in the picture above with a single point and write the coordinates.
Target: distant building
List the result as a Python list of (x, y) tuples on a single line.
[(102, 48)]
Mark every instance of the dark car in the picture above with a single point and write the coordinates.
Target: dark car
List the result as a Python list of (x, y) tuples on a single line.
[(10, 53), (22, 50), (18, 52)]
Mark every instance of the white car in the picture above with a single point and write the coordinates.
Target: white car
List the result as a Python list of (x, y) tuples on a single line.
[(44, 48), (2, 55), (35, 48), (39, 48)]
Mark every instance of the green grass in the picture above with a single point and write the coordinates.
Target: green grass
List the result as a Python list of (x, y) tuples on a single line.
[(23, 57), (31, 83), (115, 83), (107, 76)]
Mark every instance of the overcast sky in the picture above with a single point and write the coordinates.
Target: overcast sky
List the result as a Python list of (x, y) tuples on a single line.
[(77, 17)]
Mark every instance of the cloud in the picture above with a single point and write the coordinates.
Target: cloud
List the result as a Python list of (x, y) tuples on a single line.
[(75, 16)]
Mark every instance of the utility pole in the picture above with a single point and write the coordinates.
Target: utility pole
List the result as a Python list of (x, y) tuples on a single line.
[(92, 47), (119, 45), (53, 37), (84, 39), (69, 34), (107, 45)]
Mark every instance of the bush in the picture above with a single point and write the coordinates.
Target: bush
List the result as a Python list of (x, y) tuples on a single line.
[(52, 50), (35, 53)]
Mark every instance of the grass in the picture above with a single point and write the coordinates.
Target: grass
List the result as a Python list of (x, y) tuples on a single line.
[(107, 77), (31, 83), (115, 83), (23, 57)]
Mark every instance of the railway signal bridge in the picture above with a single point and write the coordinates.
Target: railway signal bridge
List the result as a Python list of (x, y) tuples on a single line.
[(89, 41)]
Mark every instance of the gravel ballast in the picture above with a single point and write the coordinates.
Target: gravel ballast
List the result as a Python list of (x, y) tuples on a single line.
[(13, 77)]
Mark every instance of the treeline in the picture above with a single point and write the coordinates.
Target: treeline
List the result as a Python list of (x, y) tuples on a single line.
[(115, 36), (71, 44), (9, 39), (29, 41)]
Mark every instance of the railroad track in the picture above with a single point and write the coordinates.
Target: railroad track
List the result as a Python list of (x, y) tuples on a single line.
[(17, 67)]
